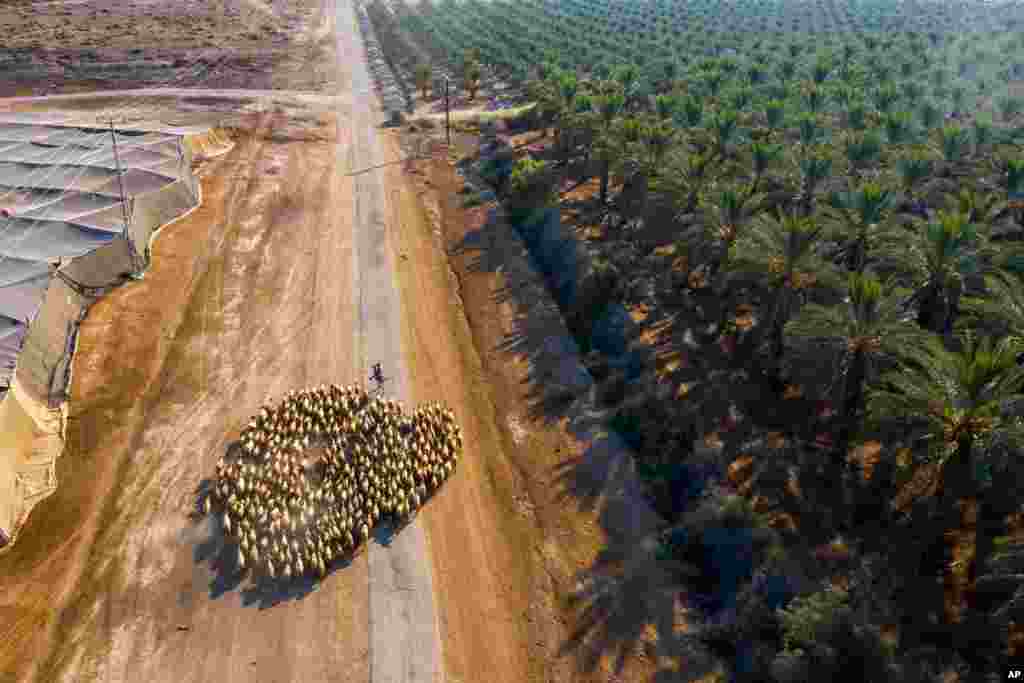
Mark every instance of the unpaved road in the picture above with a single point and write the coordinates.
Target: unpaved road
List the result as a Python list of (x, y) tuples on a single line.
[(404, 638), (292, 287)]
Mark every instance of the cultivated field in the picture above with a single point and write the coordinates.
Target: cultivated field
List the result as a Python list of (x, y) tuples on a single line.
[(785, 238)]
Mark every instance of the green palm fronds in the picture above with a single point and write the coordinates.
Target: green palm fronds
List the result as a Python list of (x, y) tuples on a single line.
[(898, 127), (739, 98), (864, 229), (956, 395), (946, 248), (1013, 177), (863, 148), (929, 113), (856, 115), (774, 111), (810, 128), (762, 155), (691, 113), (983, 131), (1003, 303), (666, 105), (871, 312), (885, 97), (914, 168), (977, 207), (781, 249), (953, 142), (869, 204), (724, 124)]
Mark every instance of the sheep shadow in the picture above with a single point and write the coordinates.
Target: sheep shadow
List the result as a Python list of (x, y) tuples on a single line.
[(219, 555), (258, 590)]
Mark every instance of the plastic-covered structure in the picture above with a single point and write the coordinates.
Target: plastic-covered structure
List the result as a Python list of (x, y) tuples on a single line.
[(71, 231)]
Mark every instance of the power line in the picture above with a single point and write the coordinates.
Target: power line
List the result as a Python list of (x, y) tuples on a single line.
[(124, 202), (49, 170), (6, 225)]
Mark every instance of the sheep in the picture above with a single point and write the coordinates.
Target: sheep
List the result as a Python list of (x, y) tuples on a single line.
[(378, 462)]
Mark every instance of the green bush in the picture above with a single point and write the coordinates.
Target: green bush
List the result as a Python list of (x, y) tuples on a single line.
[(597, 290), (531, 187), (811, 619)]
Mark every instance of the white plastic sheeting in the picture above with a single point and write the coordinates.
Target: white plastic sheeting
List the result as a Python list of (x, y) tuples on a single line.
[(62, 200)]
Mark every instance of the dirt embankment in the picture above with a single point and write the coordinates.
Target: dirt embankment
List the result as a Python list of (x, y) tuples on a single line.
[(562, 534)]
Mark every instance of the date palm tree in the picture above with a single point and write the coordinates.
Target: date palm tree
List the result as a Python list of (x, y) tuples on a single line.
[(864, 230), (762, 156), (730, 211), (724, 125), (607, 105), (1011, 179), (953, 141), (868, 325), (781, 249), (945, 250), (655, 136), (815, 164), (978, 208), (914, 168), (953, 405)]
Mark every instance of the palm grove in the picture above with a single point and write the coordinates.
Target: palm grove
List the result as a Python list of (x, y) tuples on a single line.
[(828, 205), (867, 230)]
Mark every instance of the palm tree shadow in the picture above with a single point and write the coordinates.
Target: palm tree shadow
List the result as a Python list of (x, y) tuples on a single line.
[(628, 599), (555, 378), (629, 603), (628, 594)]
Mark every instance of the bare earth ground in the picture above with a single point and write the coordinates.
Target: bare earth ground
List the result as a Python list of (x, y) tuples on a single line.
[(73, 46)]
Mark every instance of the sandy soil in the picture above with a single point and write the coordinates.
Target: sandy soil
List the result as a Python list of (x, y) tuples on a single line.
[(81, 46)]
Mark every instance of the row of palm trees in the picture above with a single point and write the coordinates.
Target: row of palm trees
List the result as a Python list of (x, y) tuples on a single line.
[(513, 35), (923, 305)]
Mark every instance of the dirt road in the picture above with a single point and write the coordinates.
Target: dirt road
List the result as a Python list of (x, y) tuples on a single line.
[(405, 642), (291, 287)]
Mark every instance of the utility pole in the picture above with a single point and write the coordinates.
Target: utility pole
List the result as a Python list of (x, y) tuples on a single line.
[(447, 117), (124, 201)]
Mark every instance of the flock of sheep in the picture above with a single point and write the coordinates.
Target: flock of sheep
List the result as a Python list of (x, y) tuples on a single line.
[(317, 473)]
